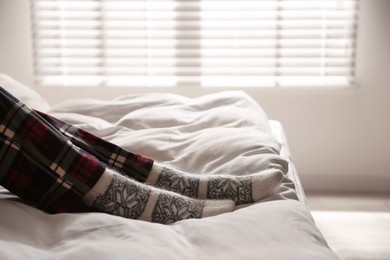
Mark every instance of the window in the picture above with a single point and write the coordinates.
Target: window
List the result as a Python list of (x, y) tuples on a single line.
[(206, 43)]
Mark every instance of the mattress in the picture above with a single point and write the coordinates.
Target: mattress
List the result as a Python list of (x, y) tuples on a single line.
[(227, 133)]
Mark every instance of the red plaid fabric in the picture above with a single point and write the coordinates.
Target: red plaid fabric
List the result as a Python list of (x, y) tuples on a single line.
[(132, 165), (52, 164)]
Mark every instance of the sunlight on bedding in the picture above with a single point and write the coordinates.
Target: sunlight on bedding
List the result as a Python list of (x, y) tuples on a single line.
[(356, 233)]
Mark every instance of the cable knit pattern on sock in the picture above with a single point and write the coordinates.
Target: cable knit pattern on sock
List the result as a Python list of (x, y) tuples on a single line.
[(241, 189), (121, 196)]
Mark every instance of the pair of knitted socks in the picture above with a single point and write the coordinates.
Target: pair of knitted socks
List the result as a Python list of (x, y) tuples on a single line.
[(170, 195)]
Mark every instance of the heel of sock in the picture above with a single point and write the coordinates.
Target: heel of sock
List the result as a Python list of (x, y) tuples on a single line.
[(216, 207)]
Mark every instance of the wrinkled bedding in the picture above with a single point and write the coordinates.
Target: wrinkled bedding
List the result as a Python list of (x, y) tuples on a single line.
[(226, 133)]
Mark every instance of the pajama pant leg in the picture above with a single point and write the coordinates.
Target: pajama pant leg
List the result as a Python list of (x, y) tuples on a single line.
[(39, 164), (132, 165)]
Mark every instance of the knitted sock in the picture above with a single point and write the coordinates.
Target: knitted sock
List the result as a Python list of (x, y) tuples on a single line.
[(241, 189), (122, 196)]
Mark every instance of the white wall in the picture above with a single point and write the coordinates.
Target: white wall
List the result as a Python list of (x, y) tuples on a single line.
[(15, 40), (339, 138)]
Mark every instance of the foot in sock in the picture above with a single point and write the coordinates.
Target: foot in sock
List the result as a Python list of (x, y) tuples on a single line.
[(241, 189), (121, 196)]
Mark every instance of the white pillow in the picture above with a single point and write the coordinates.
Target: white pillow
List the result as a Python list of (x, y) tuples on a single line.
[(25, 94)]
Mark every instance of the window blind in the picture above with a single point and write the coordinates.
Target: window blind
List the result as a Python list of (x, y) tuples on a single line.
[(198, 43)]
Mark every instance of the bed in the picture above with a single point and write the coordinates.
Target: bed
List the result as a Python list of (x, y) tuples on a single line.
[(226, 132)]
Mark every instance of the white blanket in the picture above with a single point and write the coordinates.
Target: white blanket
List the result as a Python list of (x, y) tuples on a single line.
[(220, 133)]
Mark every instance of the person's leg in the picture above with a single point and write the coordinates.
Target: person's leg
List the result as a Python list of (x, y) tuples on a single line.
[(135, 166), (242, 189), (27, 178), (122, 196), (59, 168), (38, 163)]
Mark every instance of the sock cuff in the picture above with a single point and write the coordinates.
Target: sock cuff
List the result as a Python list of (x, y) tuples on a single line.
[(154, 173), (100, 187)]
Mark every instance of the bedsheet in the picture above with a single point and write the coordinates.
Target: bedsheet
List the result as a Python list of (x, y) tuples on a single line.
[(225, 132)]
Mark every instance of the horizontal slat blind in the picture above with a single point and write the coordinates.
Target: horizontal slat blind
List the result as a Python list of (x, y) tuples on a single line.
[(219, 43)]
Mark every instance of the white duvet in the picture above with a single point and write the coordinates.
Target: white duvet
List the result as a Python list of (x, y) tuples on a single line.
[(220, 133)]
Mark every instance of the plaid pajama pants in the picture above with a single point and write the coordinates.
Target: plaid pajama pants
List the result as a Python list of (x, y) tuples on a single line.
[(53, 165)]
